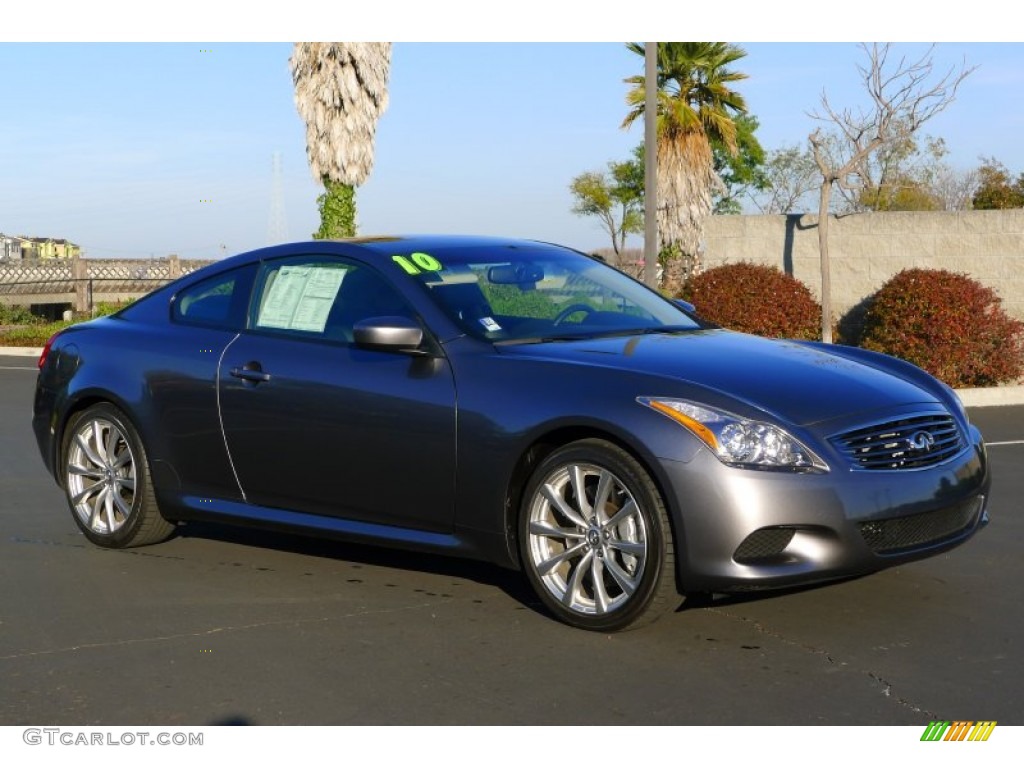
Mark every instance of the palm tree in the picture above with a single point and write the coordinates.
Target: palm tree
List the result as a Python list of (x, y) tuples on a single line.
[(341, 90), (695, 106)]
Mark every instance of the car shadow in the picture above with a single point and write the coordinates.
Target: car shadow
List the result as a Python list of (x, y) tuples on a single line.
[(699, 600), (512, 583)]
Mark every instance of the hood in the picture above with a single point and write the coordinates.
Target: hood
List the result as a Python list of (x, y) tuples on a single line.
[(797, 383)]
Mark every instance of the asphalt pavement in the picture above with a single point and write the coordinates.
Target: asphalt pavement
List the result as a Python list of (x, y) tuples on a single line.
[(225, 626)]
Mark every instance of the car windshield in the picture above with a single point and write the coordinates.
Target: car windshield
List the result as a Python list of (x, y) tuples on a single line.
[(541, 293)]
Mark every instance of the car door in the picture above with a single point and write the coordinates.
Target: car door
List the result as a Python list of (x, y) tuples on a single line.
[(315, 424), (180, 384)]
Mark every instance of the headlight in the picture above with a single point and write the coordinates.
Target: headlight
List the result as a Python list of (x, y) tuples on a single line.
[(737, 441)]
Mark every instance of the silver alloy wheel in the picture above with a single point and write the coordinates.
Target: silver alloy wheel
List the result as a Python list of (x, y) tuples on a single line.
[(588, 541), (100, 476)]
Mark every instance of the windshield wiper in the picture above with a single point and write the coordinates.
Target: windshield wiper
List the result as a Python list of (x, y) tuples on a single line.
[(655, 330), (652, 331), (605, 334), (545, 339)]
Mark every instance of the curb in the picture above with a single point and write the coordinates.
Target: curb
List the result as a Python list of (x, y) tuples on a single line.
[(21, 351), (977, 397), (983, 397)]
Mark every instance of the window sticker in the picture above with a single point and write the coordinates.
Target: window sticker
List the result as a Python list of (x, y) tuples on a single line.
[(489, 324), (300, 297), (418, 262)]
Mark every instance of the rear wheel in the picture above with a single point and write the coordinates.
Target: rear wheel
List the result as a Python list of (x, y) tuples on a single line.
[(595, 539), (107, 482)]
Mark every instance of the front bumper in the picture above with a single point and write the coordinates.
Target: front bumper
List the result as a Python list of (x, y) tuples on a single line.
[(740, 529)]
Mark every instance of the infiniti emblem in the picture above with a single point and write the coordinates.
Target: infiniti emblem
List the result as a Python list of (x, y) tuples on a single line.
[(921, 441)]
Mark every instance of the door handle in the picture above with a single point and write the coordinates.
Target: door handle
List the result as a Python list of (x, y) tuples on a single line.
[(250, 372)]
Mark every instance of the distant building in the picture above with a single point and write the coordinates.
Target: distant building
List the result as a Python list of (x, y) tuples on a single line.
[(11, 247), (40, 248)]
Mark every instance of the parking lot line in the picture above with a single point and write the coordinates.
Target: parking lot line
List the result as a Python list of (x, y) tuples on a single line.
[(1005, 442)]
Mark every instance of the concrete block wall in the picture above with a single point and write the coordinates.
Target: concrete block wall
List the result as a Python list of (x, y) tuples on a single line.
[(867, 249)]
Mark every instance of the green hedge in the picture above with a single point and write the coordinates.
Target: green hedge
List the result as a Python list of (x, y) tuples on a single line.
[(28, 330), (755, 298), (950, 325)]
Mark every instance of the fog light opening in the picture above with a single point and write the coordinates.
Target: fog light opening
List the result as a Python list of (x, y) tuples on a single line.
[(764, 546)]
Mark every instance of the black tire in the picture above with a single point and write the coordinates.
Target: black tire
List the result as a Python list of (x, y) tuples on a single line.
[(602, 567), (106, 479)]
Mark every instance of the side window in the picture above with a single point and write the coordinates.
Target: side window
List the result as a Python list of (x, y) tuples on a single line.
[(220, 301), (322, 298)]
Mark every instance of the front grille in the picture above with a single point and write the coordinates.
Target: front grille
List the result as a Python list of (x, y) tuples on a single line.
[(886, 537), (908, 443), (763, 545)]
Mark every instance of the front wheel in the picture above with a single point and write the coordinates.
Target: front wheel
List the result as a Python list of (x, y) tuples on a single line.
[(106, 479), (595, 540)]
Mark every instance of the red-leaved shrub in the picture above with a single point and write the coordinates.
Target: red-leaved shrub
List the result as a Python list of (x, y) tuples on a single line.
[(757, 299), (948, 324)]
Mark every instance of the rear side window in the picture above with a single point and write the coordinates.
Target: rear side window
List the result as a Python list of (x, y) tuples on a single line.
[(219, 302)]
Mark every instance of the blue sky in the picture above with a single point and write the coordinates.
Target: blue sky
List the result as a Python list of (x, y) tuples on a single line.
[(119, 146)]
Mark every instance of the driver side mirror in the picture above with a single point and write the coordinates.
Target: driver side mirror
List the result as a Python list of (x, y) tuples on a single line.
[(389, 334)]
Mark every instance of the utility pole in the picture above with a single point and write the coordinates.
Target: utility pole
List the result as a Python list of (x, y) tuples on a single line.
[(651, 164)]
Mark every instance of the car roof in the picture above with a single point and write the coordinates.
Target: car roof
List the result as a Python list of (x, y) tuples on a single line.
[(387, 245), (383, 247)]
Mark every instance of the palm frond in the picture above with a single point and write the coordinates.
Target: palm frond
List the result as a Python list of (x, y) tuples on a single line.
[(696, 106), (340, 93)]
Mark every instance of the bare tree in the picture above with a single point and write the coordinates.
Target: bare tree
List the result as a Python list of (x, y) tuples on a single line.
[(904, 96), (790, 174), (953, 188)]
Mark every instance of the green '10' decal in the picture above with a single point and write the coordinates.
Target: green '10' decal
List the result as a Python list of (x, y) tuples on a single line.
[(415, 263)]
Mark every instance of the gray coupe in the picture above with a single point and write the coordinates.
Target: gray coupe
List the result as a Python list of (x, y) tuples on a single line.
[(511, 401)]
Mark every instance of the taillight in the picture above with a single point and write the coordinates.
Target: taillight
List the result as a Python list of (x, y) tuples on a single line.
[(46, 350)]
